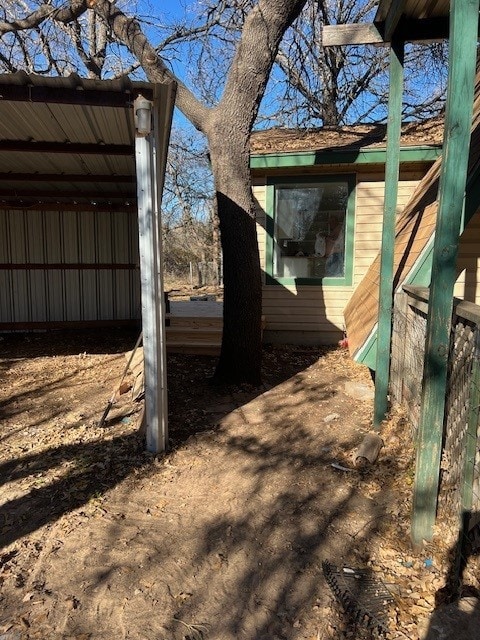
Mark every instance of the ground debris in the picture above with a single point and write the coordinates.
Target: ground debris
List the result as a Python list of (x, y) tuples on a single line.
[(238, 515)]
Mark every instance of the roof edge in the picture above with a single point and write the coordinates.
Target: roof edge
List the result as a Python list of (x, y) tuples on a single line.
[(373, 155)]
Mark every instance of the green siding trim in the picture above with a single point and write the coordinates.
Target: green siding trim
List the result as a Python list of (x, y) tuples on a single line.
[(347, 279), (367, 354), (427, 153)]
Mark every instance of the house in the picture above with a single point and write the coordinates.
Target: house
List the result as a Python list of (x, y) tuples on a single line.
[(413, 249), (320, 207)]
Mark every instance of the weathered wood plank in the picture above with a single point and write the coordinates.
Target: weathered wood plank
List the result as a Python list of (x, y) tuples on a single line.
[(345, 34), (425, 30)]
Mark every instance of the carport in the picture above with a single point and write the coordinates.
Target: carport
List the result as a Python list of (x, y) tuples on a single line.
[(82, 166)]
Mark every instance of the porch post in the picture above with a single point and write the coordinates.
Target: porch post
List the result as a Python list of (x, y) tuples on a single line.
[(385, 303), (458, 120), (153, 309)]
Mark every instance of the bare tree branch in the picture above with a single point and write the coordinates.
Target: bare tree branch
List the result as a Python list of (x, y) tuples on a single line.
[(64, 14)]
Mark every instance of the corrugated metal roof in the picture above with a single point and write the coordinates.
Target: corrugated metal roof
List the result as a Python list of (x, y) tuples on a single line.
[(41, 117)]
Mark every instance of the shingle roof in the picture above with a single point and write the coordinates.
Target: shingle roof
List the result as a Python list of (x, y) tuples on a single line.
[(280, 140)]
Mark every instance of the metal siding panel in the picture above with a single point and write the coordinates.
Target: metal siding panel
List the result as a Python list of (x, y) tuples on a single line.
[(6, 302), (89, 300), (72, 295), (17, 236), (4, 236), (71, 254), (55, 296), (103, 237), (20, 296), (62, 294), (53, 235), (34, 236), (37, 299), (105, 296), (69, 237)]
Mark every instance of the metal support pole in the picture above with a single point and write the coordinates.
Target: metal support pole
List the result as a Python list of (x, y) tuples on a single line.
[(458, 120), (149, 189), (392, 168)]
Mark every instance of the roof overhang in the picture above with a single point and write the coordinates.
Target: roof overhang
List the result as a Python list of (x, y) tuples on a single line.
[(70, 142), (405, 20), (373, 156)]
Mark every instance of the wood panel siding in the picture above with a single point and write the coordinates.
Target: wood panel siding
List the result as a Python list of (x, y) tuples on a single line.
[(259, 194), (312, 313), (467, 286)]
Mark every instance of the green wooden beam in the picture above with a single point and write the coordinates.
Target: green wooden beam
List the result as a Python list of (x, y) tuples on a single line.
[(392, 170), (287, 160), (462, 57)]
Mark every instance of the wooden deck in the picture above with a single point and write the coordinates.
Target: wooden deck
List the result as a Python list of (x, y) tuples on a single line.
[(195, 327)]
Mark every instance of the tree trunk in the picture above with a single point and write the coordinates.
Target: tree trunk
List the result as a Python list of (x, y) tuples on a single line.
[(240, 356), (227, 127)]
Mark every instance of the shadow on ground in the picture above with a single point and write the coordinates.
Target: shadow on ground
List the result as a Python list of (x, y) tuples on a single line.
[(223, 538)]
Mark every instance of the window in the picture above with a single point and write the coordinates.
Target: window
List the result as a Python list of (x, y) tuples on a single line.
[(310, 230)]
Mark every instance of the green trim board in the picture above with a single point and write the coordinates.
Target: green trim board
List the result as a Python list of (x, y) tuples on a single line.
[(367, 354), (427, 153), (387, 254), (347, 278)]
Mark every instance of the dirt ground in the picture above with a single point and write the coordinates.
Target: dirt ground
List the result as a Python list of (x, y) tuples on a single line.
[(223, 537)]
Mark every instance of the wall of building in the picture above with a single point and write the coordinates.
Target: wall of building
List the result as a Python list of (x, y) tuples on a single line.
[(68, 266), (311, 314), (467, 286)]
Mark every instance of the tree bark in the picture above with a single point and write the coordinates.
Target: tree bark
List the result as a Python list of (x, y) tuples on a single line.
[(240, 356), (227, 127)]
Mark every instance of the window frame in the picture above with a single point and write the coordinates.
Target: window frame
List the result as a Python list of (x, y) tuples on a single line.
[(272, 183)]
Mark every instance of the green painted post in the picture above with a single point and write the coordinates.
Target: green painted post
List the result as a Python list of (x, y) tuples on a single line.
[(392, 165), (458, 119)]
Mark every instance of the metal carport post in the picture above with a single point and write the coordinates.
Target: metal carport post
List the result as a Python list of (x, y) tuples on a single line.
[(152, 129)]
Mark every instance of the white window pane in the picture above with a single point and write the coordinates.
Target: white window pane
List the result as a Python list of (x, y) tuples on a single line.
[(309, 230)]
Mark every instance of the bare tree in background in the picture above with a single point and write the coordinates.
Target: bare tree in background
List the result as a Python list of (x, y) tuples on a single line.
[(187, 205), (227, 125), (312, 86), (346, 85)]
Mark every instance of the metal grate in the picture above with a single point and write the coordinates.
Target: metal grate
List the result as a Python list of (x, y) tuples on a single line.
[(456, 417), (364, 598), (408, 349)]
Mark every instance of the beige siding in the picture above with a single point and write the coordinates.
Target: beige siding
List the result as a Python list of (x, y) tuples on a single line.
[(259, 194), (368, 220), (315, 313), (468, 283)]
